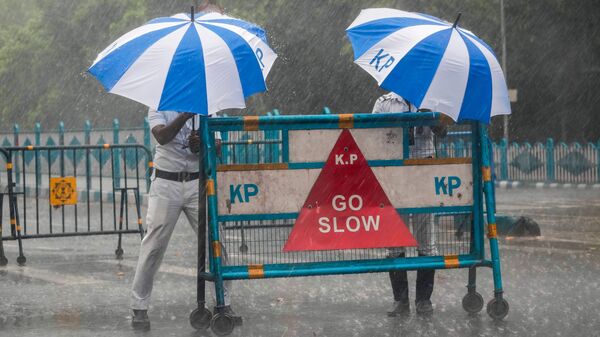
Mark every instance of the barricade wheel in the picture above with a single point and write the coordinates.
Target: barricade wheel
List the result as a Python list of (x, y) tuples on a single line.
[(222, 324), (244, 248), (21, 260), (497, 309), (3, 261), (472, 302), (119, 253), (200, 318)]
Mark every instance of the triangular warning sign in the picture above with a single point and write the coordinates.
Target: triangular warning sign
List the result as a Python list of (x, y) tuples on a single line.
[(347, 208)]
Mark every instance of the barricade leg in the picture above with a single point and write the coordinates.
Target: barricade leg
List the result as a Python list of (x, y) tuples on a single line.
[(222, 323), (14, 219), (201, 317), (119, 250), (497, 308), (3, 259), (473, 301)]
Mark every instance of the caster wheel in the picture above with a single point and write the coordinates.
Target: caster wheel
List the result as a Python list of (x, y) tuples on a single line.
[(497, 309), (243, 248), (3, 261), (200, 318), (222, 324), (472, 302), (119, 253), (21, 260)]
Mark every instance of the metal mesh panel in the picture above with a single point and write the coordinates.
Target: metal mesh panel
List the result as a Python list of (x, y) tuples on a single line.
[(261, 242)]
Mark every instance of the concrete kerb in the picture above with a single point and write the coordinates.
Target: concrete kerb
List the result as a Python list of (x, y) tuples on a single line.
[(505, 184)]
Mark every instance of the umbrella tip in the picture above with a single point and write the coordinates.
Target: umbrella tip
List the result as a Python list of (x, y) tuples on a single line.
[(456, 21), (192, 12)]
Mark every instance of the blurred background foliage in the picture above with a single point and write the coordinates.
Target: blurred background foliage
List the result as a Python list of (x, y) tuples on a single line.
[(553, 58)]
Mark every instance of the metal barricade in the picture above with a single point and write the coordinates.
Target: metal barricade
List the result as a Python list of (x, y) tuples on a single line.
[(253, 206), (45, 199)]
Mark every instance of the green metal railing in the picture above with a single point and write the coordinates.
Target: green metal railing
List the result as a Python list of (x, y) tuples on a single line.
[(550, 161)]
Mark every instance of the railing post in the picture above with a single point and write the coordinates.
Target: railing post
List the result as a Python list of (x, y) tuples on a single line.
[(117, 154), (61, 142), (504, 159), (87, 132), (225, 148), (37, 130), (87, 140), (17, 168), (147, 142), (598, 161), (37, 142), (460, 147), (16, 131), (550, 160), (268, 150), (61, 133), (283, 136)]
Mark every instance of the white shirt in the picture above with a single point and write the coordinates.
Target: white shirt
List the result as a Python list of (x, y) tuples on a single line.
[(424, 144), (175, 156)]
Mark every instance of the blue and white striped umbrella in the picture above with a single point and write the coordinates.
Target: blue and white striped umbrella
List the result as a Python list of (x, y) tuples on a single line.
[(172, 63), (430, 62)]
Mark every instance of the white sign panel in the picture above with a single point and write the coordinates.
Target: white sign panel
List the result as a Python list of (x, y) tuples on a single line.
[(284, 191), (315, 145)]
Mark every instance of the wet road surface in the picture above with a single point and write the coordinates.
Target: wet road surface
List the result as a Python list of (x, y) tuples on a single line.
[(75, 287)]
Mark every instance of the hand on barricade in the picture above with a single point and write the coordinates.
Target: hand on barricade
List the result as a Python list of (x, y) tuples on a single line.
[(442, 129), (194, 142), (446, 120)]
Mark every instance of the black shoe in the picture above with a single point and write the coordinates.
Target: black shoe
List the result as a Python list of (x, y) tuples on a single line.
[(237, 319), (424, 307), (140, 320), (399, 308)]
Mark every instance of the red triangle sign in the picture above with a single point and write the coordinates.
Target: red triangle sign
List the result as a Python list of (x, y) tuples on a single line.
[(347, 208)]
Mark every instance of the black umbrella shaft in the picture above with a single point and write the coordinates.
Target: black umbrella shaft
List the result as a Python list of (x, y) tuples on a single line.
[(456, 22)]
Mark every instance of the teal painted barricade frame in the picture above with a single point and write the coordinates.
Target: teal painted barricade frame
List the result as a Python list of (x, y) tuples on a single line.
[(482, 196)]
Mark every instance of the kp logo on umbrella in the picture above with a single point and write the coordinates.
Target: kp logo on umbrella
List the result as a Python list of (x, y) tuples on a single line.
[(432, 63)]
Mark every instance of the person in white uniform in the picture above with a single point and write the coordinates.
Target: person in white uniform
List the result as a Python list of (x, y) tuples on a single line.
[(421, 145), (174, 189)]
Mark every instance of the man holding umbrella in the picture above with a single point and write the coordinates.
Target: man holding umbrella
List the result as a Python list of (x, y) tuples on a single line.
[(182, 66), (174, 190), (436, 65), (422, 145)]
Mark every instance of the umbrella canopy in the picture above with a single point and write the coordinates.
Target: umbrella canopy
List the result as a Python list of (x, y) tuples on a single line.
[(432, 63), (173, 63)]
